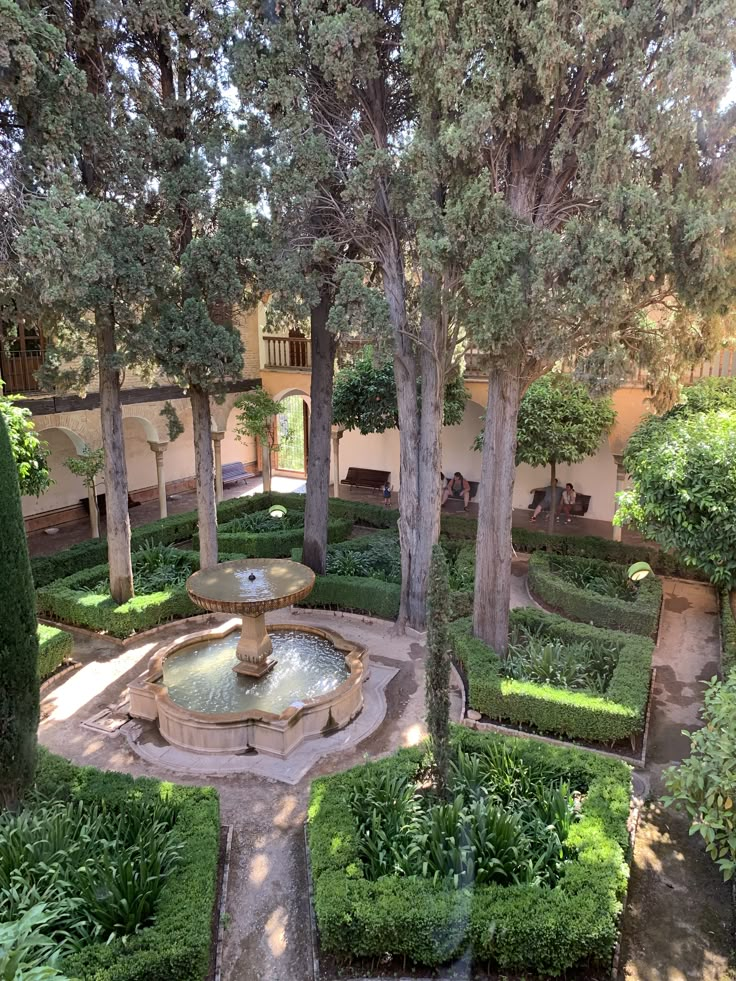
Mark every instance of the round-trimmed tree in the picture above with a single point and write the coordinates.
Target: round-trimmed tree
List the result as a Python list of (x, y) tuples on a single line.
[(19, 698), (683, 471)]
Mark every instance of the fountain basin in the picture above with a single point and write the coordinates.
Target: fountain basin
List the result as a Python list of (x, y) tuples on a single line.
[(275, 732)]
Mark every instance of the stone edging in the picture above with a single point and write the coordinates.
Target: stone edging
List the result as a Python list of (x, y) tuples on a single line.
[(69, 668), (634, 817), (312, 915), (223, 901)]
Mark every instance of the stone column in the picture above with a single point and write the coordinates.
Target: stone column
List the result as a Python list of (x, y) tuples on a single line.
[(336, 437), (158, 450), (620, 483), (217, 438)]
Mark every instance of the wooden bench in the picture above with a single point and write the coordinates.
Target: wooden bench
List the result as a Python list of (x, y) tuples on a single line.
[(580, 507), (232, 473), (474, 485), (360, 477)]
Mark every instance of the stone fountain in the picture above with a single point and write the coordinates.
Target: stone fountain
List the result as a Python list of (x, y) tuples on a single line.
[(210, 694), (251, 588)]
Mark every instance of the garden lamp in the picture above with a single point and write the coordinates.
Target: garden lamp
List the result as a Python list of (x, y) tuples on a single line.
[(277, 511), (639, 571)]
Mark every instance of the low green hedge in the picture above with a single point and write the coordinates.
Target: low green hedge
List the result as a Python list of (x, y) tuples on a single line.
[(54, 647), (574, 714), (639, 616), (66, 601), (177, 946), (275, 544), (355, 594), (516, 928), (728, 634)]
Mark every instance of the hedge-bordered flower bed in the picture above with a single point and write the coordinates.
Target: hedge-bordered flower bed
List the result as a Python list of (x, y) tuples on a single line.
[(574, 714), (274, 544), (728, 634), (638, 616), (355, 594), (54, 647), (66, 601), (177, 946), (516, 928)]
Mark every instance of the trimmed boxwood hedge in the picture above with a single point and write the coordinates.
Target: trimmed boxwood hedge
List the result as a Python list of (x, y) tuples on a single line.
[(355, 594), (275, 544), (177, 946), (65, 601), (728, 634), (54, 647), (574, 714), (639, 616), (516, 928)]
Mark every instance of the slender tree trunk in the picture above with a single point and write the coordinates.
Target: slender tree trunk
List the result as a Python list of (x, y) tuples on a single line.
[(94, 511), (204, 466), (553, 502), (324, 347), (116, 474), (493, 543), (266, 465)]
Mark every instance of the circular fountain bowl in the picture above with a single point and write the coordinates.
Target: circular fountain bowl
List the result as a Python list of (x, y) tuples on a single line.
[(201, 705)]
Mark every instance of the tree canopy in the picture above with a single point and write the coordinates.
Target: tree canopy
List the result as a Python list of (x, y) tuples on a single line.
[(683, 473), (29, 452), (708, 395)]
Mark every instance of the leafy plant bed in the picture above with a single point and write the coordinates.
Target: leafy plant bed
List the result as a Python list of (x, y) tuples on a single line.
[(258, 535), (615, 715), (523, 868), (728, 634), (125, 870), (596, 592), (83, 599), (54, 647)]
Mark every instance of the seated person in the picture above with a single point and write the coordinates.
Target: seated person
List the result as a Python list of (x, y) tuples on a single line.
[(568, 502), (546, 502), (458, 487)]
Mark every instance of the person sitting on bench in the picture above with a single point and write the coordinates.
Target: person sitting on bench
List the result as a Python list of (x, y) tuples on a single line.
[(458, 487), (546, 502), (568, 502)]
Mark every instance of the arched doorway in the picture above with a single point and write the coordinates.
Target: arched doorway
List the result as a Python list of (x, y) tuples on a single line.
[(293, 436)]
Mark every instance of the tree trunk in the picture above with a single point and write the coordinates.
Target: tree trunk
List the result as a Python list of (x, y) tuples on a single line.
[(493, 542), (553, 502), (94, 511), (204, 467), (324, 346), (116, 474), (266, 465)]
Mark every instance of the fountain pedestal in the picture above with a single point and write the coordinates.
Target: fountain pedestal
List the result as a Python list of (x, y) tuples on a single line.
[(254, 648)]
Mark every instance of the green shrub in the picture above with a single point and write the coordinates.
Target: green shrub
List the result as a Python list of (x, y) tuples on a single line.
[(617, 715), (177, 946), (26, 953), (54, 647), (275, 544), (535, 655), (356, 595), (728, 634), (520, 927), (705, 783), (552, 579)]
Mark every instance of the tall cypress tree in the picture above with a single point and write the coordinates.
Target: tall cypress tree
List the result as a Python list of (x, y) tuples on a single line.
[(18, 640)]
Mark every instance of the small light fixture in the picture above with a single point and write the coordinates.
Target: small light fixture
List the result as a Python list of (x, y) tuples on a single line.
[(277, 511), (639, 571)]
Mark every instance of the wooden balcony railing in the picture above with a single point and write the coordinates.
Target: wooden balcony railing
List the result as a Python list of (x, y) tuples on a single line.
[(287, 352), (18, 371)]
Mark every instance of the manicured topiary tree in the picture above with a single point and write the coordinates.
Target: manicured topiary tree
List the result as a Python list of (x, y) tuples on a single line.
[(437, 678), (18, 640)]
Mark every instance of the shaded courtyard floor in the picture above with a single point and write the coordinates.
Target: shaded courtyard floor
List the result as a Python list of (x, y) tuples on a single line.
[(677, 923)]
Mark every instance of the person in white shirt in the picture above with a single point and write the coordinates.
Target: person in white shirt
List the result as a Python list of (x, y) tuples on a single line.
[(568, 502)]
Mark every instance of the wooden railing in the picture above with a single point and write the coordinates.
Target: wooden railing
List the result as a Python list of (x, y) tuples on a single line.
[(18, 371), (287, 352)]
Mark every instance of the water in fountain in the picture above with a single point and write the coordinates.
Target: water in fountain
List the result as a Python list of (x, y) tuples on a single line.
[(201, 677)]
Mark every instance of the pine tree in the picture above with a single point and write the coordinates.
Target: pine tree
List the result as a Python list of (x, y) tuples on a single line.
[(437, 677), (19, 682)]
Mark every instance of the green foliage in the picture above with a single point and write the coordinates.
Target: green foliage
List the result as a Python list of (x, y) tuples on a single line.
[(54, 647), (704, 785), (356, 595), (708, 395), (596, 592), (364, 396), (87, 465), (683, 472), (29, 452), (276, 543), (27, 953), (437, 677), (728, 634), (174, 425), (534, 655), (519, 927), (18, 639), (254, 420), (559, 422), (260, 521), (177, 946), (615, 716), (98, 872), (374, 556)]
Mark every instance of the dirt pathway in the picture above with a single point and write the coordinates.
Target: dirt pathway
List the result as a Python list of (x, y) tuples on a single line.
[(678, 924)]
